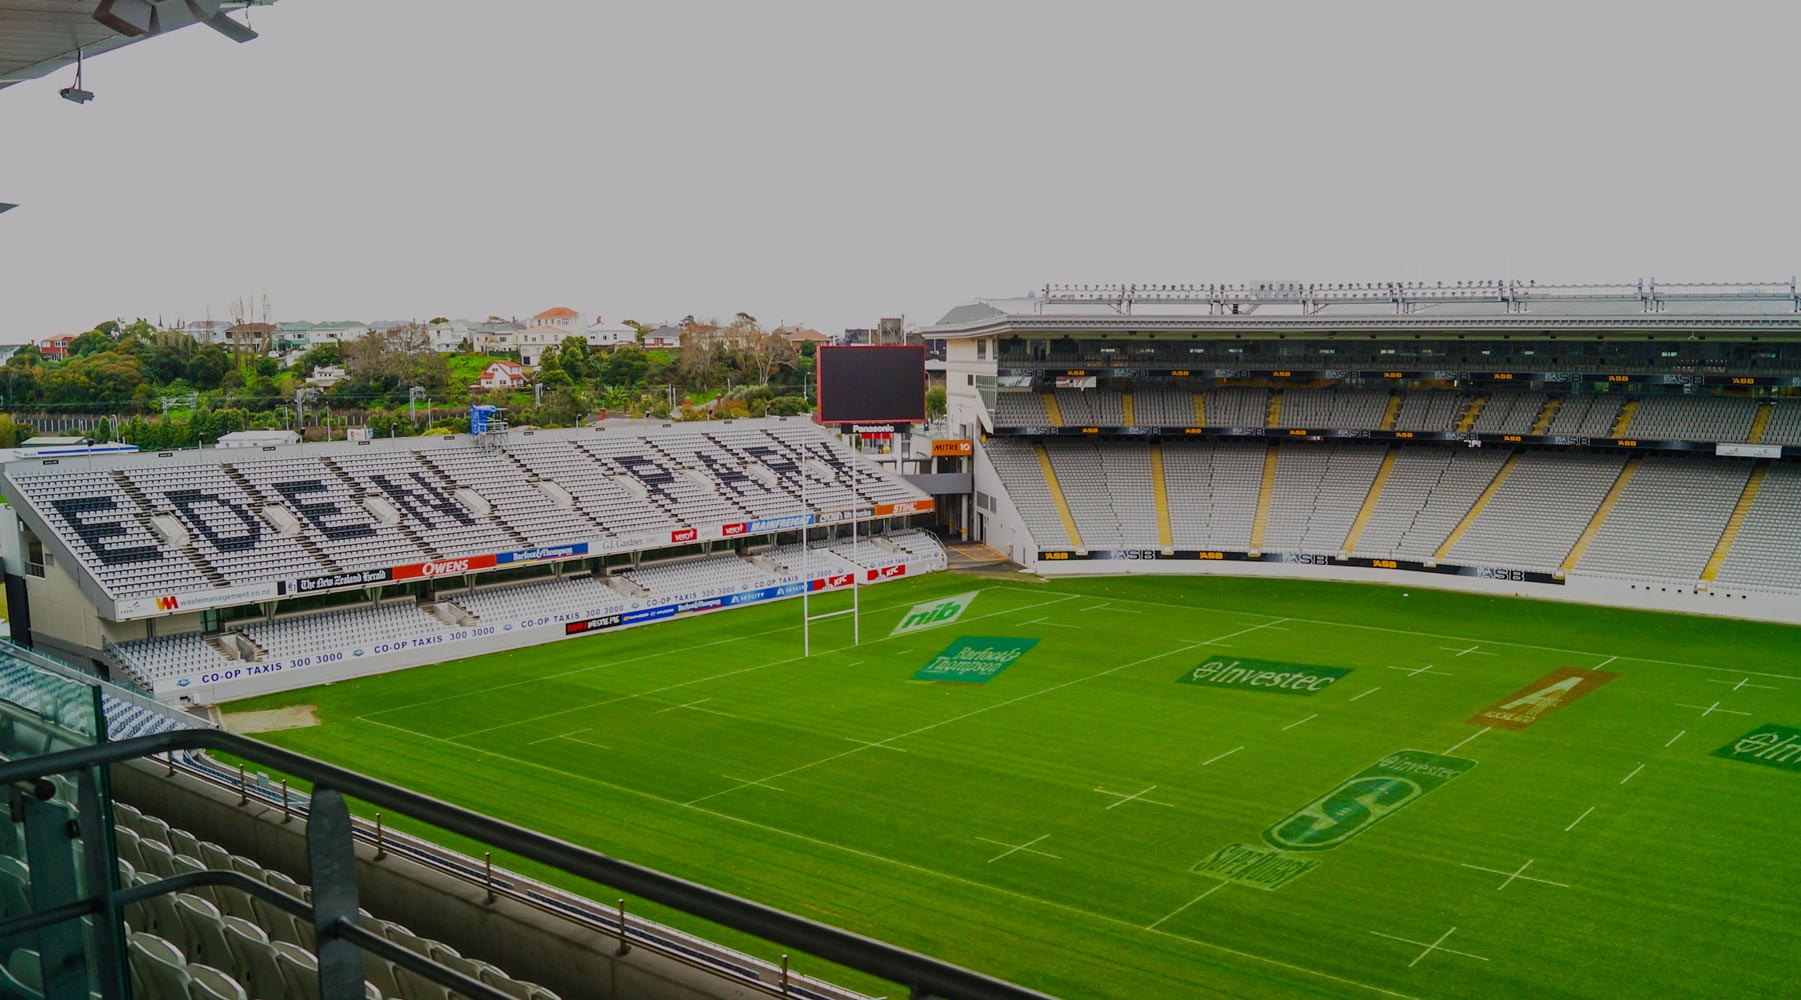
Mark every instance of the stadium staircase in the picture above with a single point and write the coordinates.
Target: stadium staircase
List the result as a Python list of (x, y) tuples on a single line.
[(1546, 415), (1200, 410), (1759, 423), (1734, 523), (1260, 523), (1129, 412), (1468, 420), (357, 489), (1057, 498), (180, 544), (1390, 414), (452, 487), (1165, 537), (1469, 518), (1369, 502), (1601, 512), (312, 548), (1272, 420), (1624, 422), (1052, 410)]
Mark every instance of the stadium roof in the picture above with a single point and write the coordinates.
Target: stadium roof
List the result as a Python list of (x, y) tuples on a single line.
[(1298, 306), (38, 37)]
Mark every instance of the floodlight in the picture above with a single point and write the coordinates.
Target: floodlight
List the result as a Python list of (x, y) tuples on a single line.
[(76, 94), (6, 207)]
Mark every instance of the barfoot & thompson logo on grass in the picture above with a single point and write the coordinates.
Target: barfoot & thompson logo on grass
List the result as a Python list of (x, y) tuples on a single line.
[(1771, 745), (974, 659), (932, 614)]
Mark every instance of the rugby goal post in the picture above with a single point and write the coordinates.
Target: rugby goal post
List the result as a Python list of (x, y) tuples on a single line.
[(807, 617)]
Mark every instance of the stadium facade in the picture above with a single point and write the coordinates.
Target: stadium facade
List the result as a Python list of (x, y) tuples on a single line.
[(1635, 444)]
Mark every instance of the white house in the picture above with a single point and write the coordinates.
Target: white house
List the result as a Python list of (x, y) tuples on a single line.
[(207, 331), (559, 316), (326, 376), (531, 342), (504, 375), (448, 337), (608, 337)]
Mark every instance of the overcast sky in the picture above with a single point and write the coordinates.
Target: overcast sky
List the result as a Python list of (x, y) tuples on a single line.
[(830, 163)]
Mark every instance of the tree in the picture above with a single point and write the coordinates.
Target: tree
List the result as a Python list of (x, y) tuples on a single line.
[(573, 352), (207, 368), (935, 401), (641, 330), (91, 342)]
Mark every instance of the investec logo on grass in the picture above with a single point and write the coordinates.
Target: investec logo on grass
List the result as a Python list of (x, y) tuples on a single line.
[(1771, 746), (931, 614), (974, 659), (1264, 675)]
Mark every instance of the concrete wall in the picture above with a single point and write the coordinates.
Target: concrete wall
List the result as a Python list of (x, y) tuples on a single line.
[(1580, 589)]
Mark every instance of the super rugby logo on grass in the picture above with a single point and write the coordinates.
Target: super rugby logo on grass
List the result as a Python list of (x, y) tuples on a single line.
[(1365, 799)]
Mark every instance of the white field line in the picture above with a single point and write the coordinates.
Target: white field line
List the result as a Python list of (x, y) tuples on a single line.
[(1291, 725), (873, 743), (1634, 773), (1518, 874), (564, 774), (1362, 693), (1153, 926), (1743, 683), (1470, 737), (1430, 948), (1477, 649), (1016, 848), (1456, 638), (1710, 709), (1676, 737), (560, 736), (763, 784), (1605, 662), (1222, 756), (1135, 796), (1416, 671), (988, 708), (1579, 819), (702, 680)]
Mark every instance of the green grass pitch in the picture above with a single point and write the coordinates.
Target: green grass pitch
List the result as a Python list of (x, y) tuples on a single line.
[(1045, 826)]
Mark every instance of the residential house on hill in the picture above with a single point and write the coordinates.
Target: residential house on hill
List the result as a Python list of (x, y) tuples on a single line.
[(503, 375), (559, 316), (56, 348)]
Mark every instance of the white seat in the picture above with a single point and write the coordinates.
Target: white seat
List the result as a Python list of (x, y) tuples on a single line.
[(158, 969), (299, 970), (208, 983)]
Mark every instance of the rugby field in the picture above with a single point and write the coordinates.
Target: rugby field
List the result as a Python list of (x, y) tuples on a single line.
[(1183, 788)]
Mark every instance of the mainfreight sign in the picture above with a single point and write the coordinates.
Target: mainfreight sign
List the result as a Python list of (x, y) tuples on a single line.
[(1267, 676), (974, 659), (1771, 746)]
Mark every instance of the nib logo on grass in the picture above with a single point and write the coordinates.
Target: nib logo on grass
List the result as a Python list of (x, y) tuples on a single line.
[(1365, 799), (1547, 694), (1771, 746), (974, 659), (932, 614)]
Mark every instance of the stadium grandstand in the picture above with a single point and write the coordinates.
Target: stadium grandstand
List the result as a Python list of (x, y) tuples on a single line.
[(1635, 444), (214, 574)]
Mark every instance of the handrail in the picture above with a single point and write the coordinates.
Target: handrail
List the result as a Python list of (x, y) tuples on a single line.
[(631, 929), (923, 976)]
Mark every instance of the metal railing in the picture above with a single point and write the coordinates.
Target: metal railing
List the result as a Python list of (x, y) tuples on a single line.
[(340, 941)]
